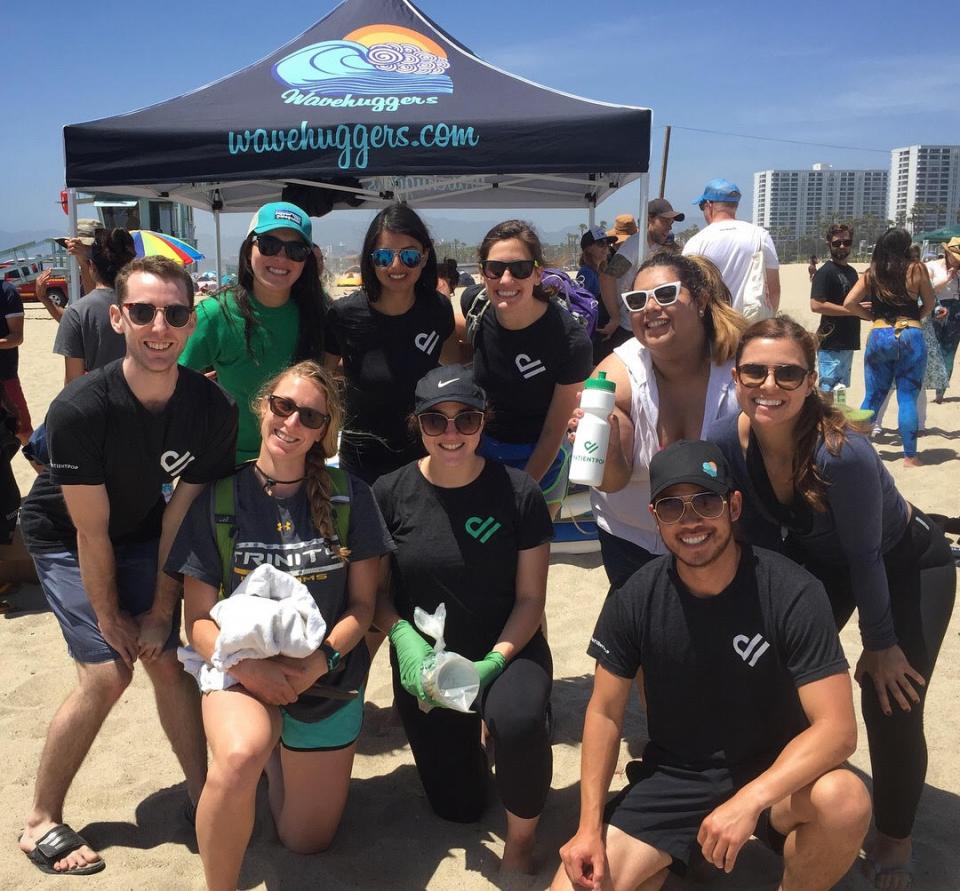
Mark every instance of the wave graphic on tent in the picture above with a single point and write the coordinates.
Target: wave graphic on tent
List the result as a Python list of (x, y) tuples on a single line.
[(373, 60)]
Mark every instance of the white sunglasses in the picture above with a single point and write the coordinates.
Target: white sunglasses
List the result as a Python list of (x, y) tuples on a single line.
[(636, 301)]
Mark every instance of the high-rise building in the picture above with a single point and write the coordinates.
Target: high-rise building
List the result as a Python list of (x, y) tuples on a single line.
[(925, 187), (797, 202)]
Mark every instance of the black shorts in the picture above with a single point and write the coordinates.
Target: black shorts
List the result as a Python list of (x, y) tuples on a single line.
[(664, 806)]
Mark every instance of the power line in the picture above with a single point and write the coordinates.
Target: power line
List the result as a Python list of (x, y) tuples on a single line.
[(851, 148)]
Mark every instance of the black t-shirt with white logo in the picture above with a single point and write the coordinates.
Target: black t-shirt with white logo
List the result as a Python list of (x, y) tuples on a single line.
[(99, 433), (831, 284), (383, 358), (519, 369), (459, 547), (721, 673)]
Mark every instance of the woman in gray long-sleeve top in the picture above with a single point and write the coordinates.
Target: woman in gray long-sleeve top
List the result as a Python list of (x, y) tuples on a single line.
[(818, 492)]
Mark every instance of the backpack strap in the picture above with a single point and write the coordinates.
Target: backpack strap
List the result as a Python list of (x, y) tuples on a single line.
[(340, 502), (223, 507), (474, 315)]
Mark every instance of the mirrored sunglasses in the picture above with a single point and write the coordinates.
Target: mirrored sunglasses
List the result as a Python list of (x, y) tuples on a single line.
[(309, 417), (665, 295), (144, 313), (519, 269), (707, 505), (434, 423), (841, 242), (409, 257), (787, 377), (270, 246)]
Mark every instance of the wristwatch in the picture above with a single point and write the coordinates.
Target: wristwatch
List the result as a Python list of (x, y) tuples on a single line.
[(333, 656)]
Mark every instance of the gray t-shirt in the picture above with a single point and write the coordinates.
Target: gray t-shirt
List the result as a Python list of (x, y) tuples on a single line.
[(280, 531), (85, 331)]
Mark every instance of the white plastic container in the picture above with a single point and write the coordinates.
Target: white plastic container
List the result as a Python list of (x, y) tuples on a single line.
[(593, 431)]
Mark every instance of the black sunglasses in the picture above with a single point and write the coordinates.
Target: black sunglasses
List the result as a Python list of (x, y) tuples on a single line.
[(845, 242), (410, 257), (434, 423), (519, 269), (707, 505), (270, 246), (787, 377), (665, 295), (176, 315), (309, 417)]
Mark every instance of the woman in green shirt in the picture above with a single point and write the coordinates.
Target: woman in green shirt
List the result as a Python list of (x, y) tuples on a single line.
[(272, 317)]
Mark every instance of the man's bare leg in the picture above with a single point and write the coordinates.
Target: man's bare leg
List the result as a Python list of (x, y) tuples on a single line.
[(71, 733), (178, 705), (632, 865), (826, 823)]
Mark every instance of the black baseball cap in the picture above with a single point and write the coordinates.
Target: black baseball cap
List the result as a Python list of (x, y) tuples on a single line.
[(690, 461), (660, 207), (448, 383), (596, 235)]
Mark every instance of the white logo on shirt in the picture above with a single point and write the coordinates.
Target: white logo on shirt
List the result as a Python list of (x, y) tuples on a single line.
[(174, 463), (746, 648), (444, 383), (426, 342), (528, 367)]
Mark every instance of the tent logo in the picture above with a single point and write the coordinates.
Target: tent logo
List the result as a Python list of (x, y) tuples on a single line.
[(375, 60)]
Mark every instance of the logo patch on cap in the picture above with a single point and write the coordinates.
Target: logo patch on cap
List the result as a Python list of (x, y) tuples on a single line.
[(288, 215), (710, 468)]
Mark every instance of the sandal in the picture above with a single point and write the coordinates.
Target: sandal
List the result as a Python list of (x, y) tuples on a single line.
[(873, 870), (54, 845)]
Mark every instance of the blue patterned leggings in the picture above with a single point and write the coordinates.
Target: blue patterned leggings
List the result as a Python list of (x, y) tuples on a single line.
[(896, 357)]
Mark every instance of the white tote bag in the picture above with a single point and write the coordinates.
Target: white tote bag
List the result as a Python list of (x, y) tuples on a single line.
[(753, 293)]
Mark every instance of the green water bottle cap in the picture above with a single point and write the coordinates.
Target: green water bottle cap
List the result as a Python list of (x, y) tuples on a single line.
[(600, 382)]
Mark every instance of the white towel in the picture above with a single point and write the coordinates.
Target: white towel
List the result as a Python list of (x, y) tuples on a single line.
[(269, 614)]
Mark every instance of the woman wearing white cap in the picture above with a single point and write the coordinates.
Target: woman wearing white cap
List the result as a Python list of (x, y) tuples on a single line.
[(474, 535), (272, 317)]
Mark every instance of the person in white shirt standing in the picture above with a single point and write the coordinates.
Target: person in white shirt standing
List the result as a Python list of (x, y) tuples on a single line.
[(731, 244)]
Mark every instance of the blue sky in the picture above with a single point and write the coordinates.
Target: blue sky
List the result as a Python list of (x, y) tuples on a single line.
[(863, 75)]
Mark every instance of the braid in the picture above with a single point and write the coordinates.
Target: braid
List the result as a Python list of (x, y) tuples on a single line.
[(319, 489)]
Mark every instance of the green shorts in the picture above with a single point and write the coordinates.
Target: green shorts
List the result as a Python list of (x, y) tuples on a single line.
[(337, 731)]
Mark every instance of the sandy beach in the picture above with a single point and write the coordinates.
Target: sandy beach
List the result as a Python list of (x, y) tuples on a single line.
[(128, 797)]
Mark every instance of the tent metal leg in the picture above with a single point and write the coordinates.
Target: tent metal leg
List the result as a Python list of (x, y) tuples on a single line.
[(642, 210), (74, 294), (216, 226)]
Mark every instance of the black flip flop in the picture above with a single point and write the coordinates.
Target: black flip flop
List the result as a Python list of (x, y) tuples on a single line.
[(54, 845)]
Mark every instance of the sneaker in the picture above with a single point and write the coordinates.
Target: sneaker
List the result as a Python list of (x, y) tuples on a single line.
[(877, 432)]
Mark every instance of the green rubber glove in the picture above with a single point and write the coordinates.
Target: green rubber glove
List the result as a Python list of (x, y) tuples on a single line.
[(490, 667), (411, 650)]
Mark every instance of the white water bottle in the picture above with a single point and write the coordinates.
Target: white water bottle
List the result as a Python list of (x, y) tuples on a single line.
[(593, 431)]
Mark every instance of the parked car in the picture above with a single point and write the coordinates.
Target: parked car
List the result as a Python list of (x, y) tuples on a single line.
[(349, 278), (22, 274)]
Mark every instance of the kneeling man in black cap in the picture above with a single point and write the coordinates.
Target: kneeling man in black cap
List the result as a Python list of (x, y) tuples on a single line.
[(749, 705)]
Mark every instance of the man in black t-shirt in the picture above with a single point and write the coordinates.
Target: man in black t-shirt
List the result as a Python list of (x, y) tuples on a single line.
[(98, 527), (839, 332), (11, 336), (749, 704)]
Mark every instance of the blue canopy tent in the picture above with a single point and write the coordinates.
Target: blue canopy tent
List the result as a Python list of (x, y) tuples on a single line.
[(373, 104)]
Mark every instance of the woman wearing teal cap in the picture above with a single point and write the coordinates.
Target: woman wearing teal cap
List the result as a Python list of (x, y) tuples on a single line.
[(272, 317)]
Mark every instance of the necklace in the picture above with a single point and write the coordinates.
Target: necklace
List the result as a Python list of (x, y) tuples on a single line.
[(270, 482)]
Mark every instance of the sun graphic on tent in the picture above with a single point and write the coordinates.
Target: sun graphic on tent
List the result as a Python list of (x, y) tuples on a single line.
[(375, 59)]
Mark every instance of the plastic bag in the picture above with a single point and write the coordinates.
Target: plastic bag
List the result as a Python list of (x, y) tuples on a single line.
[(449, 679)]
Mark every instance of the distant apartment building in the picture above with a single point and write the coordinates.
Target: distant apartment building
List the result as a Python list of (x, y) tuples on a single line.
[(796, 202), (925, 187)]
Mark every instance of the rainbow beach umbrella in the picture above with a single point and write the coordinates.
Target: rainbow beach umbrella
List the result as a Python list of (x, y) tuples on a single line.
[(156, 244)]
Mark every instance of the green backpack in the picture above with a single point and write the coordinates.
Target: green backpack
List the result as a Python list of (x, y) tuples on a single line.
[(225, 519)]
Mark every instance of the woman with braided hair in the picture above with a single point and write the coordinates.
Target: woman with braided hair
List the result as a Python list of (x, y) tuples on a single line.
[(296, 719)]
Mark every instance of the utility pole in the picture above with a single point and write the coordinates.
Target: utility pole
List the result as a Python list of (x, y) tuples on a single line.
[(666, 156)]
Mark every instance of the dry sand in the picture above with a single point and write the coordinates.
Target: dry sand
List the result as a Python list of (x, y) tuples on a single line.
[(128, 796)]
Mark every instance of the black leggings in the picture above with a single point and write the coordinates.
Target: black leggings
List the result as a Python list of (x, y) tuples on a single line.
[(446, 744), (922, 581)]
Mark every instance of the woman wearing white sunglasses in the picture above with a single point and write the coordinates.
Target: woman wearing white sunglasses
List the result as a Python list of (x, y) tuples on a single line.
[(673, 380)]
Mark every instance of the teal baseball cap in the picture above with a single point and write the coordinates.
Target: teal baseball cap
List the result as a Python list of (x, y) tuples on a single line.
[(720, 190), (282, 215)]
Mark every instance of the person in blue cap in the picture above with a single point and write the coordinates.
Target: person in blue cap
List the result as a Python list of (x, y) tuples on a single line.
[(732, 245), (273, 316)]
